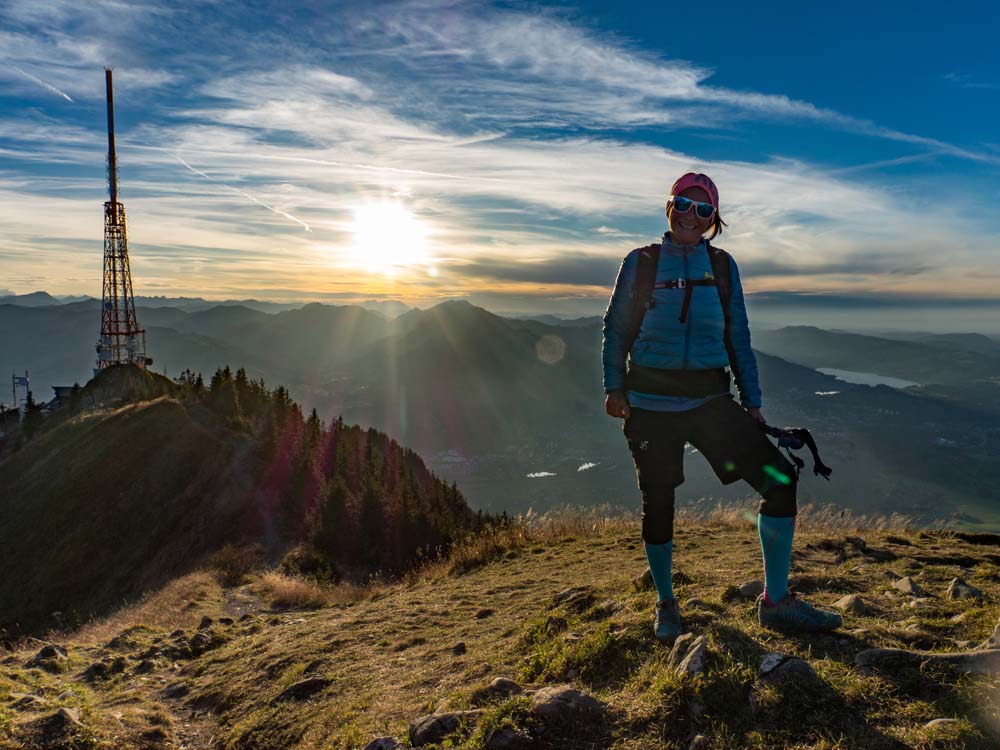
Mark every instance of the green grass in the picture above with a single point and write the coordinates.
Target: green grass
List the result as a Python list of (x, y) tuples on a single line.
[(377, 686)]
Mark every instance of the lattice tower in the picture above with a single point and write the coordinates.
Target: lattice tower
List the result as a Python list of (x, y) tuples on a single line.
[(122, 340)]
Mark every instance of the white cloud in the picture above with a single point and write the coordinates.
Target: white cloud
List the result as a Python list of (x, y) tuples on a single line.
[(428, 106)]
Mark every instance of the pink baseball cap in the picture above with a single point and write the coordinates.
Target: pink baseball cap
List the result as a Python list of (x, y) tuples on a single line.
[(697, 180)]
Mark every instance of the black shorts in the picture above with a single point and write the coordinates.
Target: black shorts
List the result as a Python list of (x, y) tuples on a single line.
[(733, 442)]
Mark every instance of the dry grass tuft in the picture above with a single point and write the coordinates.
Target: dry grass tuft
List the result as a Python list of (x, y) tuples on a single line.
[(531, 528), (232, 565), (294, 592), (818, 517), (169, 608)]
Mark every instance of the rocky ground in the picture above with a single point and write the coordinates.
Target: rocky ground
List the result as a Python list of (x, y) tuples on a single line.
[(547, 645)]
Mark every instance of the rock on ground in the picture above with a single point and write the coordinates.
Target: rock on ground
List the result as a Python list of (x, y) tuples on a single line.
[(693, 662), (643, 581), (433, 728), (854, 604), (935, 723), (908, 586), (959, 589), (500, 688), (994, 640), (383, 743), (781, 668), (508, 738), (562, 704)]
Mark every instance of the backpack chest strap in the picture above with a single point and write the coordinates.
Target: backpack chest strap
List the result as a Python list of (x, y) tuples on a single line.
[(686, 285)]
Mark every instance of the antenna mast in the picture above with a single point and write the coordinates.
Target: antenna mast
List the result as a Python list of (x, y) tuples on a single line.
[(122, 341)]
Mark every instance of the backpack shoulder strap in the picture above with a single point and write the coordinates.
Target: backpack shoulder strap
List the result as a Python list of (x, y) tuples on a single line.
[(723, 284), (723, 276), (645, 279)]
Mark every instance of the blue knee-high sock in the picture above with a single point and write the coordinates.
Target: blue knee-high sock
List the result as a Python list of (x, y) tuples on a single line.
[(660, 558), (776, 546)]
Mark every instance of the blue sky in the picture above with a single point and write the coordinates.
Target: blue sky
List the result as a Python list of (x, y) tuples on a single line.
[(510, 153)]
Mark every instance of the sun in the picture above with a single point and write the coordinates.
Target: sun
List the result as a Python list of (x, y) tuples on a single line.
[(388, 238)]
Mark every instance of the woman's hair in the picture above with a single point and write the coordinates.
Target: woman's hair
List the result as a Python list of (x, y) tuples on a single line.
[(717, 223)]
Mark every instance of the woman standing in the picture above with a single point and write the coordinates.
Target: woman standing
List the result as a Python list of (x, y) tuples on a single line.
[(676, 391)]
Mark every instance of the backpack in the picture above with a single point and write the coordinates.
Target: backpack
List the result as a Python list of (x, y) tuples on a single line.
[(645, 282)]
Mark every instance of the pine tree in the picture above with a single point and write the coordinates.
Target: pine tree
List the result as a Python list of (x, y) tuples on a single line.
[(32, 417)]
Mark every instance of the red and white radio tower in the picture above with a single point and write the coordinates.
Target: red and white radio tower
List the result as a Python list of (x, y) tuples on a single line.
[(122, 341)]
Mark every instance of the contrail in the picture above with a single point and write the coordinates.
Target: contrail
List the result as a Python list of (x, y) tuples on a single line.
[(39, 81), (258, 201), (309, 160)]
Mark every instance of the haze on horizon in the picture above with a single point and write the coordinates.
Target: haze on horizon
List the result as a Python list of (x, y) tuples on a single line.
[(506, 154)]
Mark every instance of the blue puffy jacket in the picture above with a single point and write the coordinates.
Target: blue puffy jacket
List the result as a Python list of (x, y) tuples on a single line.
[(663, 341)]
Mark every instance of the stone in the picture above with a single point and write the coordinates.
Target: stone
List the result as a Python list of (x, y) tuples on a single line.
[(51, 651), (679, 649), (50, 658), (383, 743), (778, 669), (959, 589), (432, 728), (607, 608), (562, 704), (695, 603), (206, 622), (23, 702), (922, 602), (69, 718), (500, 688), (484, 613), (693, 663), (908, 586), (576, 598), (226, 621), (993, 642), (751, 589), (508, 738), (179, 633), (459, 648), (938, 723), (303, 689), (854, 604), (643, 581)]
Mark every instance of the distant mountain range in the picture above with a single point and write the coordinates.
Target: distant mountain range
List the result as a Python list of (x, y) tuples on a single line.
[(389, 308), (512, 409)]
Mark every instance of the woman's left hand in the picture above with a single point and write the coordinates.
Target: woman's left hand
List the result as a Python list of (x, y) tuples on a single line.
[(754, 411)]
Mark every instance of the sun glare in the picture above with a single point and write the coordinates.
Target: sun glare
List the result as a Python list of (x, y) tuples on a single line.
[(388, 238)]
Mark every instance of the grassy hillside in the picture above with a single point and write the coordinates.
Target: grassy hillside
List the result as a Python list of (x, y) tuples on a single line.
[(545, 606), (140, 479)]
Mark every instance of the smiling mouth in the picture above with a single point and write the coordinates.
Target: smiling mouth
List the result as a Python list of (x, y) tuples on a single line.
[(689, 227)]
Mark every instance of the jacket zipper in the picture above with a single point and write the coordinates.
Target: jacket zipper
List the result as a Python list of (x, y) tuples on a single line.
[(687, 323)]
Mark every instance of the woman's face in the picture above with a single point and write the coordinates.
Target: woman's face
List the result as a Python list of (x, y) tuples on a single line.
[(687, 229)]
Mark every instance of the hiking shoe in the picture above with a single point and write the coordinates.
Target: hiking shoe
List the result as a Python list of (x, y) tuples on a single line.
[(793, 613), (667, 624)]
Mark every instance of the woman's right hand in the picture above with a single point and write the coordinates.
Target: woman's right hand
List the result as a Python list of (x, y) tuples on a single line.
[(616, 404)]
